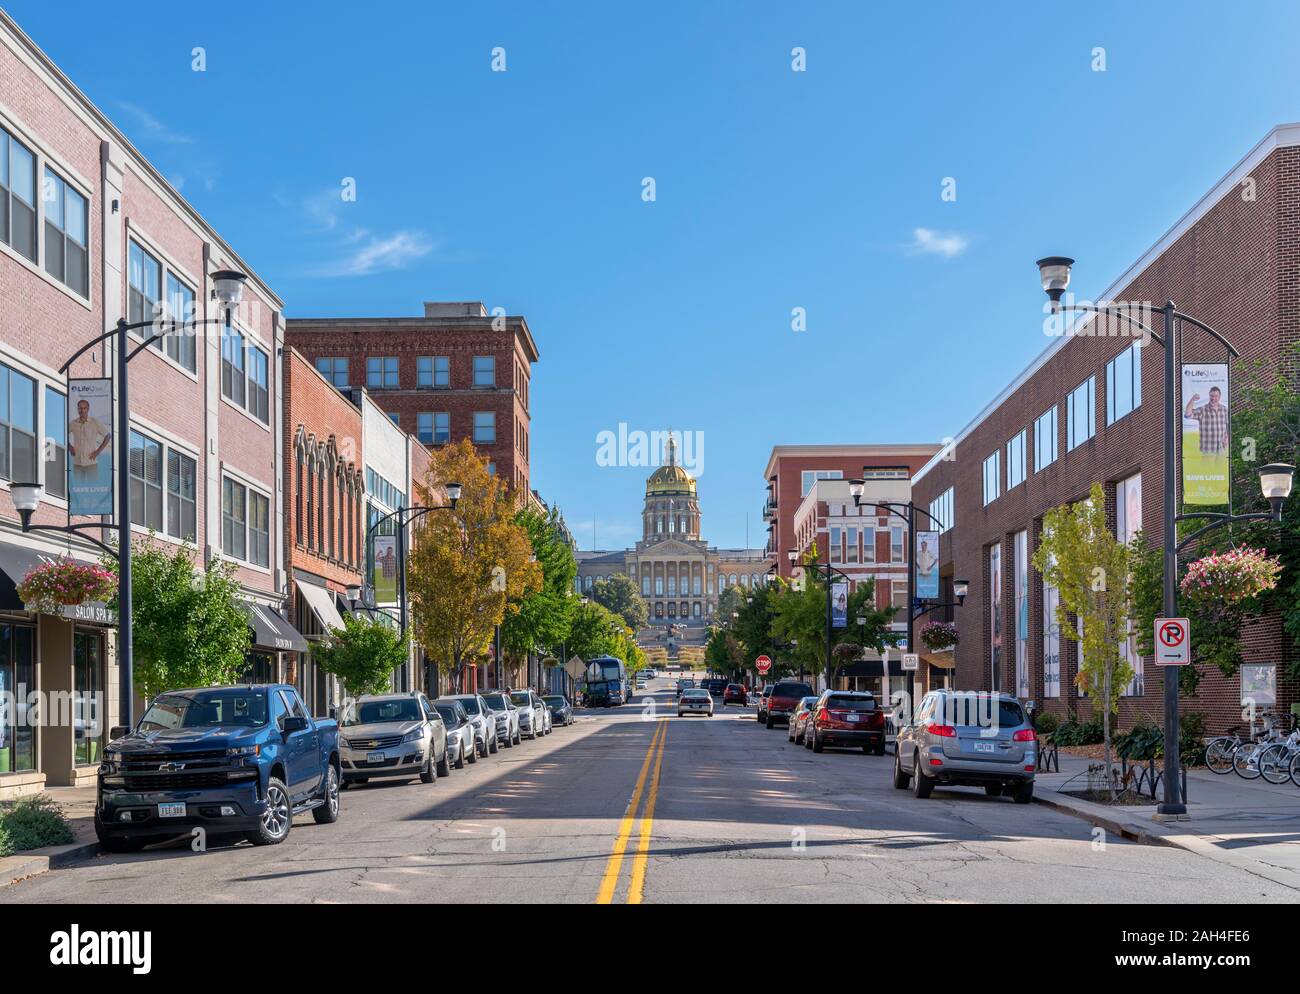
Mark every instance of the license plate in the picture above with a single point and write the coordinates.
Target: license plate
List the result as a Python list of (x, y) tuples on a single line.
[(855, 717), (171, 811), (374, 757), (984, 746)]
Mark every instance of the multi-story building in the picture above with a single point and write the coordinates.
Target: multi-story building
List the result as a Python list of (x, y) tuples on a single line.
[(1089, 409), (792, 470), (457, 372), (91, 232)]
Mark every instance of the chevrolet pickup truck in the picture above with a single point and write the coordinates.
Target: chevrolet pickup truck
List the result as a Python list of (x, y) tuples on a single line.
[(232, 760)]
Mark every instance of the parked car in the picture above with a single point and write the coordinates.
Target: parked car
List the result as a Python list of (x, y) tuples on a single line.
[(505, 714), (715, 687), (461, 746), (485, 726), (231, 760), (968, 739), (846, 718), (785, 695), (735, 694), (561, 712), (683, 686), (695, 701), (531, 722), (548, 721), (393, 735), (762, 702), (798, 722)]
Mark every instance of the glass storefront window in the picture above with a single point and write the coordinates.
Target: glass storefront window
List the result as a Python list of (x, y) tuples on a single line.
[(17, 680), (261, 668), (88, 688)]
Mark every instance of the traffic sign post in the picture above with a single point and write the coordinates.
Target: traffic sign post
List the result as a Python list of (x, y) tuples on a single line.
[(1173, 642), (763, 664)]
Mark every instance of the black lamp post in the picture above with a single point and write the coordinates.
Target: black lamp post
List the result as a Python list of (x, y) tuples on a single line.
[(228, 291), (828, 572), (1275, 482)]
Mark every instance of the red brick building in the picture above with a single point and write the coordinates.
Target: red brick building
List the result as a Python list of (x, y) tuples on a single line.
[(91, 232), (457, 372), (792, 470), (1089, 408)]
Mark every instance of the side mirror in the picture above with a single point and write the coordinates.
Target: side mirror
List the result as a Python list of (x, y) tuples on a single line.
[(118, 731), (294, 723)]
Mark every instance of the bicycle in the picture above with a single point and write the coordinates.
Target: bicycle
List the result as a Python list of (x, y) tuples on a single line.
[(1219, 751), (1246, 758), (1275, 761)]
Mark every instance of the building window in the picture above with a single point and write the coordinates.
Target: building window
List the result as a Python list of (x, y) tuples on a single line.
[(66, 221), (836, 549), (995, 615), (485, 427), (1128, 522), (259, 395), (259, 528), (432, 371), (181, 307), (144, 284), (381, 372), (1051, 641), (88, 686), (645, 586), (17, 681), (1020, 545), (234, 519), (659, 586), (1124, 383), (146, 482), (233, 378), (17, 196), (992, 478), (485, 371), (395, 418), (896, 544), (182, 513), (852, 539), (334, 369), (56, 443), (810, 476), (1016, 460), (941, 511), (1045, 439), (1080, 413)]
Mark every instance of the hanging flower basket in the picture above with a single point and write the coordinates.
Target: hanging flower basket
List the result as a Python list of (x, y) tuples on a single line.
[(847, 652), (939, 635), (65, 582), (1229, 578)]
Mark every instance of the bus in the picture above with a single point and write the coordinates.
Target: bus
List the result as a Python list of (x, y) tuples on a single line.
[(607, 684)]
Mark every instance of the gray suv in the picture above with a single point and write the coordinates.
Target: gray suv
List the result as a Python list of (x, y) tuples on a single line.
[(968, 738)]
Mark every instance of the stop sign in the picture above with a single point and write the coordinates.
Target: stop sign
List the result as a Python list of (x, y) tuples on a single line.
[(762, 664)]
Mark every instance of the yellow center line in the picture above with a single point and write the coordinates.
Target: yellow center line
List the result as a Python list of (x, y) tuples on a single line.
[(615, 865), (637, 889)]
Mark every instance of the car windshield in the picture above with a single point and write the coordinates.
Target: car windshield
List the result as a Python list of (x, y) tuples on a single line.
[(792, 690), (378, 712), (243, 707), (850, 702), (555, 702), (495, 701), (470, 704), (448, 714), (521, 698)]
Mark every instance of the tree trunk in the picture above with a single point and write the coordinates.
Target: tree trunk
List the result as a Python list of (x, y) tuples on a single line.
[(1105, 731)]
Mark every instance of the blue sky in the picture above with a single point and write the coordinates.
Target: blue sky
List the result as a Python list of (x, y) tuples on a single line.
[(775, 190)]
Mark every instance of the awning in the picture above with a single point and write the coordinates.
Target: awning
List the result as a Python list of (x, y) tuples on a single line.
[(321, 602), (271, 629), (940, 660), (16, 560)]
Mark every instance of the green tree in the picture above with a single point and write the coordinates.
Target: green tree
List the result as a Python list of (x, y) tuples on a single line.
[(542, 618), (618, 593), (190, 629), (722, 654), (731, 601), (597, 631), (1081, 558), (363, 655)]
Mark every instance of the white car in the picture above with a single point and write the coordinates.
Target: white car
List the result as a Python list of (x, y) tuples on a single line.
[(485, 726), (696, 701), (461, 747), (532, 713)]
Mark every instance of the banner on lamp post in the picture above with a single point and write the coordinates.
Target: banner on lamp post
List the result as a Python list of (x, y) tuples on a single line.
[(385, 569), (90, 446), (1206, 433), (927, 565), (840, 604)]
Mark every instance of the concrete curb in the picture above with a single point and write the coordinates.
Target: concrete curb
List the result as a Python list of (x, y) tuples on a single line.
[(1098, 815), (31, 864)]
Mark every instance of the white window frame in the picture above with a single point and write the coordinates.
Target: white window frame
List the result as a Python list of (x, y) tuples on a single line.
[(1080, 404), (1016, 460), (1045, 439), (993, 477), (1125, 366)]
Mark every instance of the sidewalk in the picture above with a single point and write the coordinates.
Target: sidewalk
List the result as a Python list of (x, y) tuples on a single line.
[(1249, 824), (78, 804)]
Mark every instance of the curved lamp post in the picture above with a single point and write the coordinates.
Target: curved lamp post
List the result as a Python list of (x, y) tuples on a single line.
[(1275, 483)]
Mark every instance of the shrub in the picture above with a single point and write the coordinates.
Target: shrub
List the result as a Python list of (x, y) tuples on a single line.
[(1073, 733), (32, 823), (1046, 722), (1143, 741)]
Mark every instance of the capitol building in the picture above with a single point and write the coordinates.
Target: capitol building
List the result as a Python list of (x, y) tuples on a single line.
[(679, 575)]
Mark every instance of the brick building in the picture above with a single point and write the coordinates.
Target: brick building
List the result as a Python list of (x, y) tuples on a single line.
[(457, 372), (1089, 408), (792, 470), (91, 232)]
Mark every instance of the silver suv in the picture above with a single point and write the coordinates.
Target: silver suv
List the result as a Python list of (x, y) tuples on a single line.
[(392, 735), (968, 738), (485, 725)]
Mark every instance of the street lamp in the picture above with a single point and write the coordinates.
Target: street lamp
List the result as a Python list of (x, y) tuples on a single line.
[(829, 572), (1275, 482)]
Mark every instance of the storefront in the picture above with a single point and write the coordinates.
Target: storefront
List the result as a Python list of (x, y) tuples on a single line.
[(277, 647), (316, 612)]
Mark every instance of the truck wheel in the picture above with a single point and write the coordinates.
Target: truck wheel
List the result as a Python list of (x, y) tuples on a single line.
[(444, 765), (328, 813), (116, 843), (277, 819), (430, 772)]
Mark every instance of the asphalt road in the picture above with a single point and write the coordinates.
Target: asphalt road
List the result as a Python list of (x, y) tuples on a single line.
[(636, 804)]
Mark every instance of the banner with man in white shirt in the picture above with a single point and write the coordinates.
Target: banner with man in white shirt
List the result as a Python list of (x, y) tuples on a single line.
[(90, 447)]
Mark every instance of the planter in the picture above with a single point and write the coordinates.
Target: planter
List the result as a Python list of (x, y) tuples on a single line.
[(939, 636), (64, 582), (1230, 578)]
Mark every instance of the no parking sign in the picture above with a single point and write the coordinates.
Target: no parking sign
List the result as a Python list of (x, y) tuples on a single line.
[(1173, 642)]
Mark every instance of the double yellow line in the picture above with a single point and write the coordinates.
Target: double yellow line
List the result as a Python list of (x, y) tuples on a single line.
[(609, 883)]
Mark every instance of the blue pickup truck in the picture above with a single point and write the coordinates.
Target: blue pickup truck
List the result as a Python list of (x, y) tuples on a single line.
[(232, 760)]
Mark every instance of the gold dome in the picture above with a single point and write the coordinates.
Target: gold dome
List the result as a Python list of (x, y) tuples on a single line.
[(670, 478)]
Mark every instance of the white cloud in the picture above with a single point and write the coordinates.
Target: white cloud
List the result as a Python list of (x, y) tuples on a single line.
[(377, 254), (930, 242), (152, 128)]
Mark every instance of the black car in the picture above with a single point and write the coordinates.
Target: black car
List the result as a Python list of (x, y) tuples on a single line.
[(715, 687), (561, 713)]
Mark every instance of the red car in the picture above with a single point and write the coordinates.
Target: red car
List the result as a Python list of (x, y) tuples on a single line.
[(846, 718), (783, 700), (735, 694)]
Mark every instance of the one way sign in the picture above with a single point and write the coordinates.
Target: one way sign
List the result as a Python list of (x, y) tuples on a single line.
[(1173, 642)]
